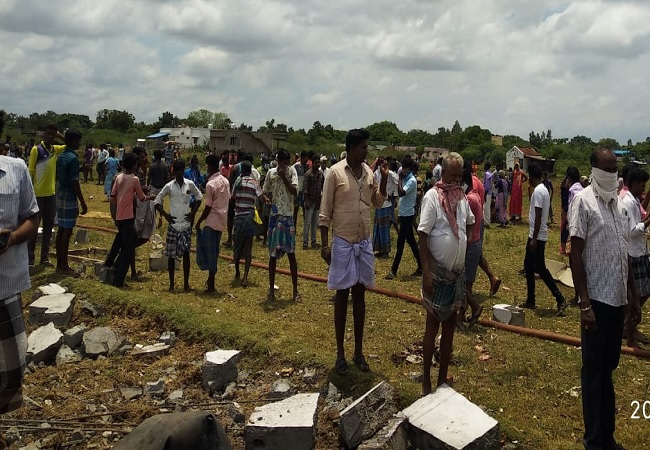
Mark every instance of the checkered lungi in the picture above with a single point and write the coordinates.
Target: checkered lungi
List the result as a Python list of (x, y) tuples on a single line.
[(66, 212), (178, 242), (281, 236), (641, 270), (448, 294), (13, 349), (381, 231)]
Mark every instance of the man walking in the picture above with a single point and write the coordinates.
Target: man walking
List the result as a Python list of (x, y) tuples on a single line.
[(42, 169), (348, 193), (534, 261), (313, 190), (407, 191), (599, 230)]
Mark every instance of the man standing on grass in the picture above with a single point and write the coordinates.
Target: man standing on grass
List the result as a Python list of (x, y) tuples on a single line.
[(68, 199), (18, 223), (446, 221), (282, 183), (599, 225), (407, 192), (215, 214), (535, 261), (299, 200), (350, 190), (313, 191), (42, 169), (101, 164), (180, 218), (157, 176)]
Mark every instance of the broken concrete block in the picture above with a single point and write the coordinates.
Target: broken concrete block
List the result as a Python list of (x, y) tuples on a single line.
[(106, 274), (48, 289), (43, 344), (236, 413), (158, 262), (158, 349), (130, 393), (101, 341), (65, 355), (309, 376), (81, 237), (73, 336), (394, 436), (280, 389), (367, 414), (512, 315), (219, 369), (56, 308), (154, 387), (168, 337), (447, 420), (287, 424)]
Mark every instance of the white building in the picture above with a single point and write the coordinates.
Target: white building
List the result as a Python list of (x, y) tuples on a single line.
[(188, 137)]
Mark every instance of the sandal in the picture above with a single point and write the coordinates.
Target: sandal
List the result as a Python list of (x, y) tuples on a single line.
[(361, 363), (341, 366), (297, 297)]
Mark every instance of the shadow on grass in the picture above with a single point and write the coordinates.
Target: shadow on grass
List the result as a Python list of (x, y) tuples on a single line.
[(355, 383), (277, 304)]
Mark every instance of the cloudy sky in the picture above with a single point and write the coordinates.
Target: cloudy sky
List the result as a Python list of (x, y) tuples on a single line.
[(576, 67)]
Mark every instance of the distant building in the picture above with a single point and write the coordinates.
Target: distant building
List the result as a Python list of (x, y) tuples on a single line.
[(524, 156), (188, 137), (433, 153), (497, 140), (250, 141)]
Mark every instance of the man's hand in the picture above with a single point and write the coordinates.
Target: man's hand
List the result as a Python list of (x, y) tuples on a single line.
[(84, 208), (326, 254), (198, 226), (427, 284), (533, 244), (588, 320), (282, 173), (6, 234), (190, 218), (171, 219)]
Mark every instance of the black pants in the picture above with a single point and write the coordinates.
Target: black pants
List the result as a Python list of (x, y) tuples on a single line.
[(535, 262), (405, 234), (601, 351), (121, 251), (47, 213)]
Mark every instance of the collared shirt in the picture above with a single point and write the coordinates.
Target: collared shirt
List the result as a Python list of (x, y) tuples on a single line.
[(179, 201), (103, 154), (217, 196), (346, 202), (477, 185), (67, 172), (245, 192), (300, 170), (42, 168), (605, 229), (637, 245), (281, 197), (169, 155), (313, 187), (125, 189), (445, 248), (17, 204), (406, 205)]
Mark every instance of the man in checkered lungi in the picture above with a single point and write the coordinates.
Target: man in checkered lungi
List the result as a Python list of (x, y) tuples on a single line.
[(18, 223)]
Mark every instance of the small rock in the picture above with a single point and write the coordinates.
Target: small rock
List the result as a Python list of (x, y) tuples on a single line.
[(77, 435), (236, 413), (414, 359), (67, 356), (94, 310), (280, 389), (74, 335), (12, 436), (242, 377), (309, 376), (175, 396), (130, 393), (31, 403), (155, 387), (168, 337), (101, 341), (55, 308), (287, 372), (43, 344), (219, 369), (48, 289), (151, 350)]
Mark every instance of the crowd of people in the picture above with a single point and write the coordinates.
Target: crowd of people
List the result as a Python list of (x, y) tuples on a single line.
[(442, 218)]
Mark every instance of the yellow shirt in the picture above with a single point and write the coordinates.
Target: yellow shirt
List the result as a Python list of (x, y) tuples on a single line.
[(43, 169)]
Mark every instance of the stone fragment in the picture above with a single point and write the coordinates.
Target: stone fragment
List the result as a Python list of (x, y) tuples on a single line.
[(393, 436), (101, 341), (229, 392), (154, 387), (130, 393), (364, 417), (309, 376), (74, 335), (447, 420), (56, 308), (512, 315), (236, 413), (81, 237), (158, 349), (94, 310), (48, 289), (280, 389), (175, 396), (66, 355), (106, 274), (219, 369), (287, 424), (43, 344), (168, 337), (158, 262)]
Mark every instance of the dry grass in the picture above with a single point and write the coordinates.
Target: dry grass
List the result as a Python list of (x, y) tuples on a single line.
[(526, 384)]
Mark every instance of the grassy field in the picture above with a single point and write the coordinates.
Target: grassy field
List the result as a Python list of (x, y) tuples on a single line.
[(529, 385)]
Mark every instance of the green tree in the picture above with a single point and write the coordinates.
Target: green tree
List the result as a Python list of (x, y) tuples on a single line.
[(113, 119), (610, 143), (296, 142), (386, 131), (167, 120)]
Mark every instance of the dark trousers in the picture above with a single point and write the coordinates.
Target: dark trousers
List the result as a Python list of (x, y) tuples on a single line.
[(535, 262), (46, 212), (122, 250), (601, 351), (405, 234)]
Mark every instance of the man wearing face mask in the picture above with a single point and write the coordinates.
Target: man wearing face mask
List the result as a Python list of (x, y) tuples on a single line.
[(599, 225)]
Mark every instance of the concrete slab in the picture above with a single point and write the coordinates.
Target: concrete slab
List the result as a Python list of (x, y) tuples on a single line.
[(447, 420), (56, 308), (219, 369), (365, 416), (43, 344), (287, 424), (512, 315), (48, 289), (394, 436), (101, 341)]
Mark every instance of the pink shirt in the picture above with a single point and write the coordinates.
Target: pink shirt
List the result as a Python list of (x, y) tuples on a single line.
[(476, 206), (126, 187), (217, 195)]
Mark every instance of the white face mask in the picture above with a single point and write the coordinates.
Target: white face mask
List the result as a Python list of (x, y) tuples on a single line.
[(604, 183)]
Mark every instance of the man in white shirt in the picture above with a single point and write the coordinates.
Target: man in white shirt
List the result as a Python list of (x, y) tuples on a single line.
[(535, 261), (599, 229), (101, 164), (181, 218), (637, 248), (436, 173), (445, 222)]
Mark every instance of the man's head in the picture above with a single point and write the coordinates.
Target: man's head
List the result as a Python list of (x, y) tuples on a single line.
[(304, 156), (130, 161), (408, 165), (604, 159), (467, 177), (142, 155), (157, 155), (283, 158), (72, 139), (439, 160), (573, 174), (516, 166), (452, 168), (212, 161), (487, 166), (50, 134), (323, 162), (636, 181), (169, 144), (534, 173), (111, 153), (356, 145), (179, 168)]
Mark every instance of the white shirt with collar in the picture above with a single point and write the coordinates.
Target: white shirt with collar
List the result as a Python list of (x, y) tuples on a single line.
[(179, 201), (636, 248)]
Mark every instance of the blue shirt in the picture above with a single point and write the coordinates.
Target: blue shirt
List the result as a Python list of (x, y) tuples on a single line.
[(67, 172), (406, 206)]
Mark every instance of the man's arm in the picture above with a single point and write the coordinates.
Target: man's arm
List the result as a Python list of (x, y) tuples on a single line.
[(292, 188), (578, 271), (24, 232)]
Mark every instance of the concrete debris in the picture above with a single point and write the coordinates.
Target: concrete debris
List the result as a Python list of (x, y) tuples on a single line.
[(236, 413), (43, 344), (74, 335), (130, 393), (66, 355), (309, 376), (154, 387), (48, 289), (512, 315), (101, 341), (158, 349), (394, 436), (175, 396), (168, 337), (229, 392), (280, 389), (56, 308), (81, 237), (219, 369), (93, 310)]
